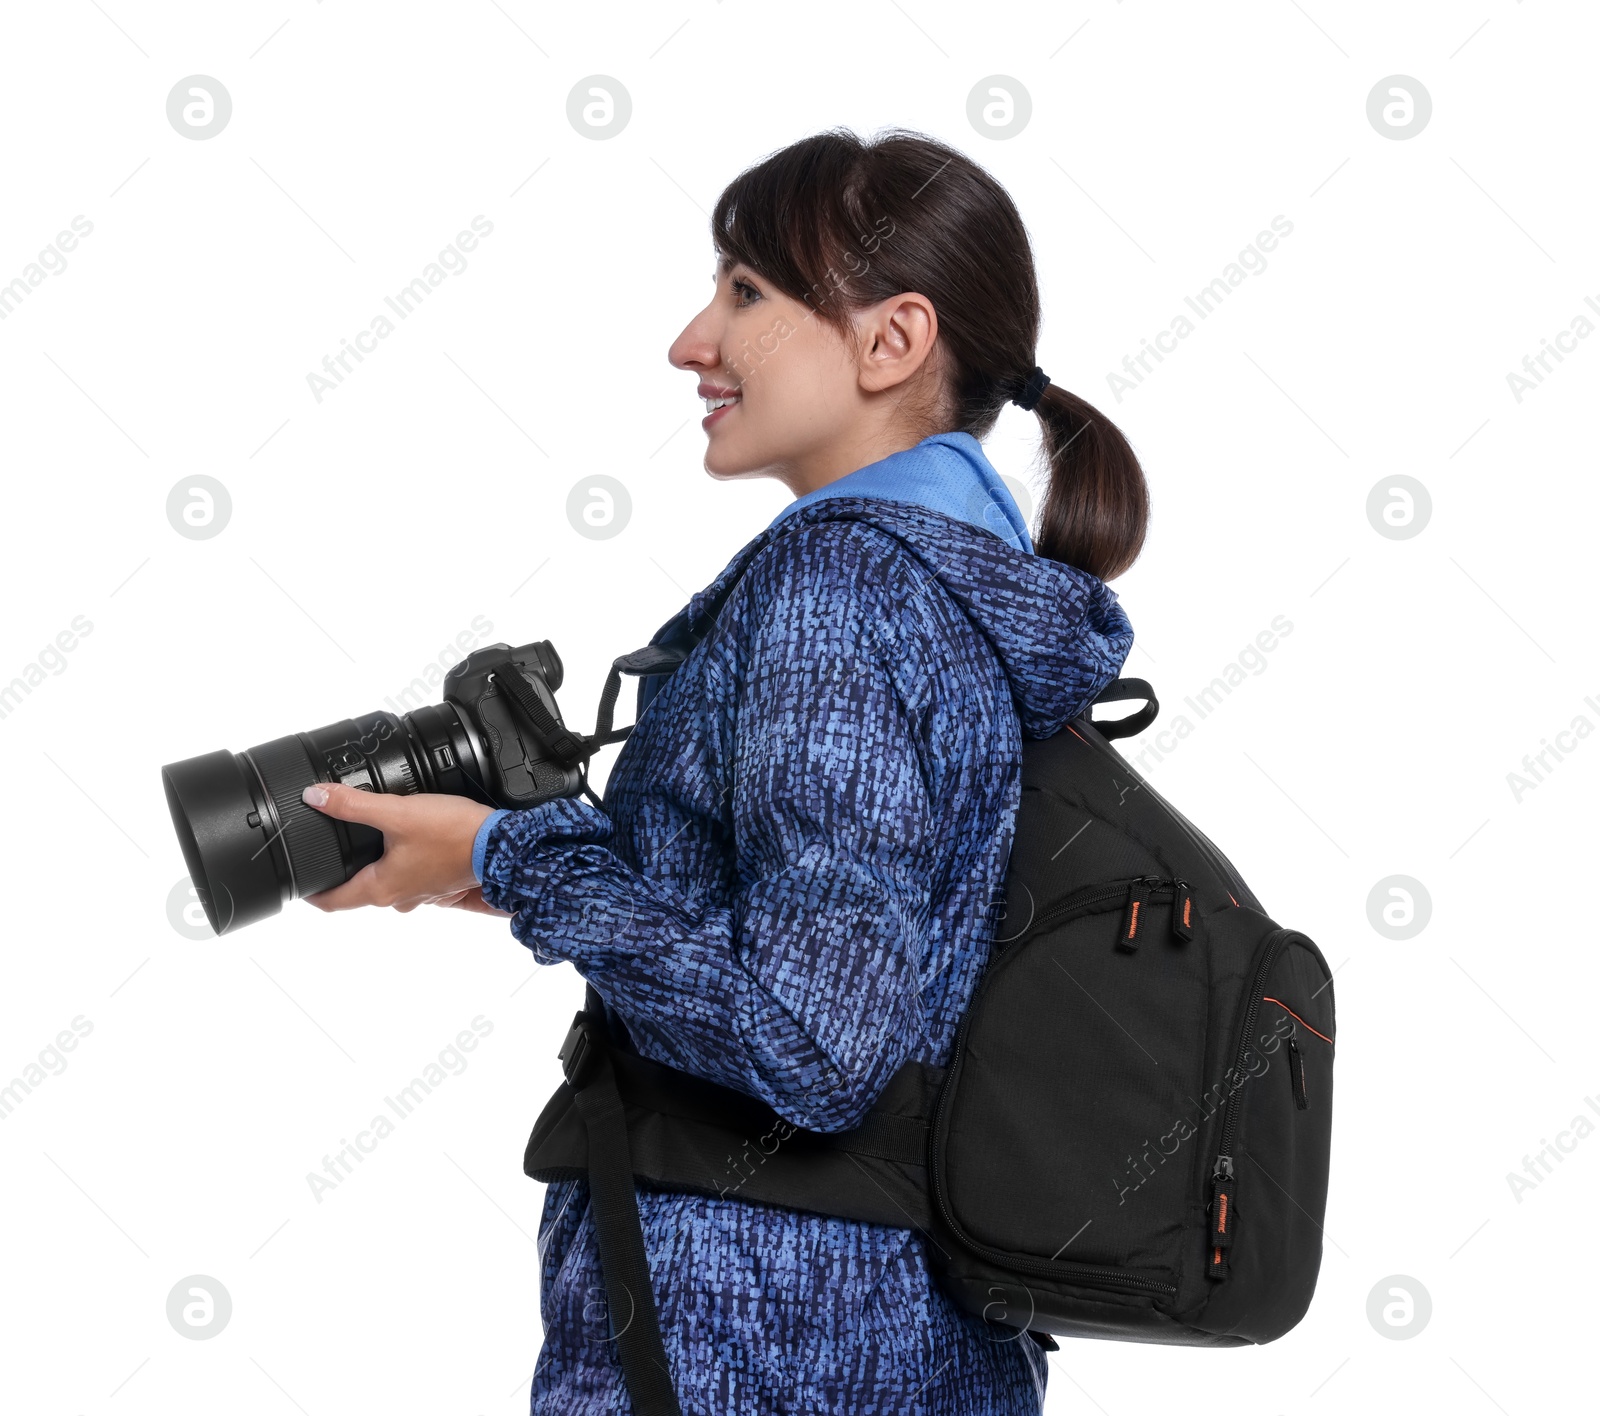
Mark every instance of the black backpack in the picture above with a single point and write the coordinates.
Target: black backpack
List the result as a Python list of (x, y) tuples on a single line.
[(1130, 1141)]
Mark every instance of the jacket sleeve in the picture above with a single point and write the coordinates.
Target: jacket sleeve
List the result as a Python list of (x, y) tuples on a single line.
[(802, 989)]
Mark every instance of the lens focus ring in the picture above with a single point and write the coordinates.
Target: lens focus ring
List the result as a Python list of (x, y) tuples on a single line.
[(309, 837)]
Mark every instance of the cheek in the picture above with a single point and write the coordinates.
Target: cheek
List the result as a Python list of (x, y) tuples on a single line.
[(786, 396), (801, 376)]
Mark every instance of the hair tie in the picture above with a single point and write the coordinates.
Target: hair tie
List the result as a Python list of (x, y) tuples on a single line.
[(1032, 390)]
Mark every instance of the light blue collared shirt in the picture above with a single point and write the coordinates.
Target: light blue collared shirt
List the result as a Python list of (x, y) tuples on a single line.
[(947, 472)]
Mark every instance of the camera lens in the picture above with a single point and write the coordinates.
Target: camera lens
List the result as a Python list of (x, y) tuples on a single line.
[(250, 842)]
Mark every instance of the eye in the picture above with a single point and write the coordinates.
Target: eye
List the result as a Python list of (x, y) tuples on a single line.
[(741, 289)]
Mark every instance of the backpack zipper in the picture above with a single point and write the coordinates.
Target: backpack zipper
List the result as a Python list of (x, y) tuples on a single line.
[(1137, 892), (1222, 1228), (1297, 1074)]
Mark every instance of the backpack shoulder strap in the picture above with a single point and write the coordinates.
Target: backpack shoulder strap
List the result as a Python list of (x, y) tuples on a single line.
[(586, 1062), (619, 1118)]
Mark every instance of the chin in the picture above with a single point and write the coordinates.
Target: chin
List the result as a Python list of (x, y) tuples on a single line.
[(723, 468)]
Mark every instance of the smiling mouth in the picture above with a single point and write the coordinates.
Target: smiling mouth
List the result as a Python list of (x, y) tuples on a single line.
[(717, 409)]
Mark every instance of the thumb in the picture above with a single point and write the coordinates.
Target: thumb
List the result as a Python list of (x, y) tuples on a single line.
[(349, 803)]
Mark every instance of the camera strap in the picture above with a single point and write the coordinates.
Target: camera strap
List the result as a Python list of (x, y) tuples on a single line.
[(641, 663), (565, 746)]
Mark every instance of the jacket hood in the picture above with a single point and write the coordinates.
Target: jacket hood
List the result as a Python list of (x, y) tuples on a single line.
[(1059, 632)]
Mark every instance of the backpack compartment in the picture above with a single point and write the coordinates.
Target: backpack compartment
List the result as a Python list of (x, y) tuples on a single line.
[(1266, 1175), (1065, 1174), (1158, 1171)]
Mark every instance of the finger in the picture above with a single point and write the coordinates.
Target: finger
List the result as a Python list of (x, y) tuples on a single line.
[(362, 888), (377, 809)]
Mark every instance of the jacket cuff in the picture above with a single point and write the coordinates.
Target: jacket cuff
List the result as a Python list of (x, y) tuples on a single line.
[(481, 842), (524, 849)]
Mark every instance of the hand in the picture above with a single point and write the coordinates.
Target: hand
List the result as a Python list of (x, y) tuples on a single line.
[(427, 848)]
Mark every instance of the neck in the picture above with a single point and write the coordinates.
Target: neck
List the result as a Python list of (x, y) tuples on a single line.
[(846, 454)]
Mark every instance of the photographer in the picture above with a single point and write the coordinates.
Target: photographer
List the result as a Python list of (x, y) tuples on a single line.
[(789, 889)]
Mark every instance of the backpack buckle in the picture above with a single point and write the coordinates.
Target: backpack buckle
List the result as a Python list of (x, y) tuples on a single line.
[(577, 1053)]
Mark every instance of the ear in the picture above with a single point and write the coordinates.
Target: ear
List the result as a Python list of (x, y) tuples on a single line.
[(897, 335)]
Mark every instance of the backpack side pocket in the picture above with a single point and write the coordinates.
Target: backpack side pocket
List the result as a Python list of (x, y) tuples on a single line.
[(1268, 1190)]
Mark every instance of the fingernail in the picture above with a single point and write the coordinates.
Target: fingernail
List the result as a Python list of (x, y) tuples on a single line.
[(315, 796)]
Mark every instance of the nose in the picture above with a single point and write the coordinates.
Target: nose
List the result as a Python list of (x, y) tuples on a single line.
[(698, 347)]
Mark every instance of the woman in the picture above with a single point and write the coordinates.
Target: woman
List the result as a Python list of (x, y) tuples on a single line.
[(789, 888)]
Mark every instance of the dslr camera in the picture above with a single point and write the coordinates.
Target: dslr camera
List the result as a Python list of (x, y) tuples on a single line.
[(252, 845)]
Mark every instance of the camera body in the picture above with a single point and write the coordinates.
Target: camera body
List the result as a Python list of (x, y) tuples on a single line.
[(516, 770), (251, 843)]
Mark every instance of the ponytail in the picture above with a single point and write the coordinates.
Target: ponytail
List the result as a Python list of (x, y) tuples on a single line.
[(1097, 505)]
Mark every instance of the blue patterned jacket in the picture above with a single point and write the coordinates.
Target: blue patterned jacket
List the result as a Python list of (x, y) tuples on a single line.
[(789, 892)]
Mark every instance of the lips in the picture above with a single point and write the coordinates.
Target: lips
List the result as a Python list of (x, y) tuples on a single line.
[(718, 400)]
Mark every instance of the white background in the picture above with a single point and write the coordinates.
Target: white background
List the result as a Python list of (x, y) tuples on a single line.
[(369, 529)]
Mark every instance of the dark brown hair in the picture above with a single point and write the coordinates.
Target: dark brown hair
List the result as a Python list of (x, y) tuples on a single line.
[(842, 223)]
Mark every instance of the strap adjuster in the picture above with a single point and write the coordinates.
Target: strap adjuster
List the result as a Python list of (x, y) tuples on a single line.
[(577, 1052)]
